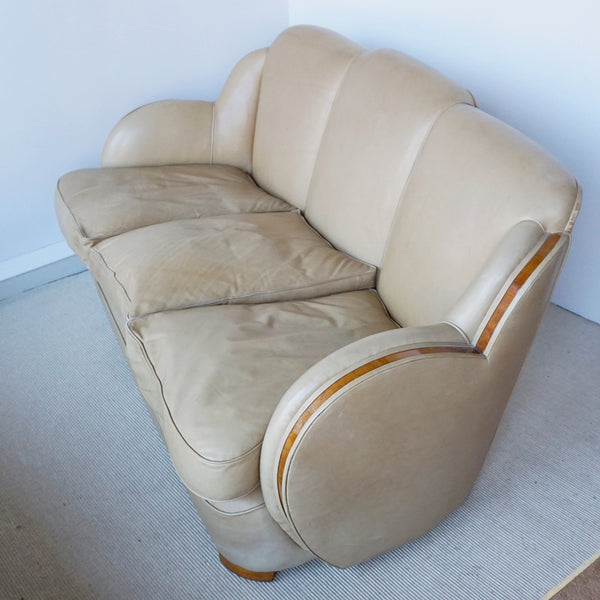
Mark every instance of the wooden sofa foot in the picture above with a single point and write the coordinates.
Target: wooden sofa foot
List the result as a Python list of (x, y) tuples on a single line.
[(246, 573)]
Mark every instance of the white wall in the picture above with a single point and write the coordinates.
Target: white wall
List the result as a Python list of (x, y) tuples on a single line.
[(533, 63), (70, 69)]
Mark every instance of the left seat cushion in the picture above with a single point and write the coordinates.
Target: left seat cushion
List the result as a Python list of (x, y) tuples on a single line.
[(233, 259), (94, 204), (213, 376)]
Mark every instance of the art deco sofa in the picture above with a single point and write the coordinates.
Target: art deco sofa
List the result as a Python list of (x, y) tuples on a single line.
[(326, 283)]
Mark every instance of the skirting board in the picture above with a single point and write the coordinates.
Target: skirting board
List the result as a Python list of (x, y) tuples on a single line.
[(40, 276)]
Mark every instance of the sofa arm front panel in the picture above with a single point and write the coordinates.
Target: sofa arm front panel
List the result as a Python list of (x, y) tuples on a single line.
[(319, 378), (387, 451)]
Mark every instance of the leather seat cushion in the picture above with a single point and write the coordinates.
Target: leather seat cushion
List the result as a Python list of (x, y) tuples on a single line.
[(214, 375), (94, 204), (250, 258)]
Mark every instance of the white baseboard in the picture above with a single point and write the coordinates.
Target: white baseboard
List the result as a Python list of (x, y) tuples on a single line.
[(37, 268), (34, 260)]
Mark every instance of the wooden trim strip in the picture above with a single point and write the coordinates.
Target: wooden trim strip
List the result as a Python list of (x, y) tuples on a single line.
[(518, 282), (246, 573), (348, 378), (510, 294)]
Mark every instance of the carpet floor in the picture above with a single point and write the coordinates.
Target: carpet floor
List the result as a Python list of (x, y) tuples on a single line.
[(91, 508)]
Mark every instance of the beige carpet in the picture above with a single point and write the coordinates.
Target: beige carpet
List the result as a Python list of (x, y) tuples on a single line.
[(90, 506)]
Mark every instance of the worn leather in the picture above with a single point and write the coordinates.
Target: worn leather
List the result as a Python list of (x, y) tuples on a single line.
[(389, 102), (236, 314), (303, 71), (95, 204), (251, 258), (214, 376)]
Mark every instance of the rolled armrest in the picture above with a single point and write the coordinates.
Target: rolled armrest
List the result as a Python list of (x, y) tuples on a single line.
[(378, 442), (188, 131), (168, 132)]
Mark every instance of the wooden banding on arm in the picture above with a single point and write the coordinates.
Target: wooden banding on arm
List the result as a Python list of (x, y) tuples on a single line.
[(479, 348)]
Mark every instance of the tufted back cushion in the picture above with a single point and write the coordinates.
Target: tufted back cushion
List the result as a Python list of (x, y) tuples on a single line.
[(303, 71), (473, 181), (383, 111)]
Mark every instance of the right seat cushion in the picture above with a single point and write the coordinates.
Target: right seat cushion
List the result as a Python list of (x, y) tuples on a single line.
[(213, 376), (233, 259), (95, 204)]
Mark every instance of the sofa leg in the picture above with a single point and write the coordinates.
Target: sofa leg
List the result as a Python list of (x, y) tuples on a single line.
[(246, 573)]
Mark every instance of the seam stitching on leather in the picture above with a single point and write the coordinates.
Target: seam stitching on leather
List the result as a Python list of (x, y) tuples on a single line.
[(332, 104), (114, 274), (81, 232), (426, 136), (234, 514), (110, 312), (226, 300), (239, 458)]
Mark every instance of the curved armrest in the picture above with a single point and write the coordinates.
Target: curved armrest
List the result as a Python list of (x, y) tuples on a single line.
[(379, 441), (189, 131), (167, 132)]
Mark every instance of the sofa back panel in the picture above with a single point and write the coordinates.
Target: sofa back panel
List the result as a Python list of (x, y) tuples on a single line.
[(382, 114), (301, 76), (235, 113), (474, 179)]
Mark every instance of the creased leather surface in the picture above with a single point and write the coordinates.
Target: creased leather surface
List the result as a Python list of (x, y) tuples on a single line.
[(93, 204), (219, 372), (249, 258)]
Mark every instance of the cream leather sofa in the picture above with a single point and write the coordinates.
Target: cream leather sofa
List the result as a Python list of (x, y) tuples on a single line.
[(326, 283)]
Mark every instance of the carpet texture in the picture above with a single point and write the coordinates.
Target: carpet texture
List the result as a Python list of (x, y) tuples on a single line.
[(90, 506), (583, 584)]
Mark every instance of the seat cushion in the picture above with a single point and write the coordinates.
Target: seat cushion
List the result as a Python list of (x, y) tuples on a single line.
[(94, 204), (213, 376), (252, 258)]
